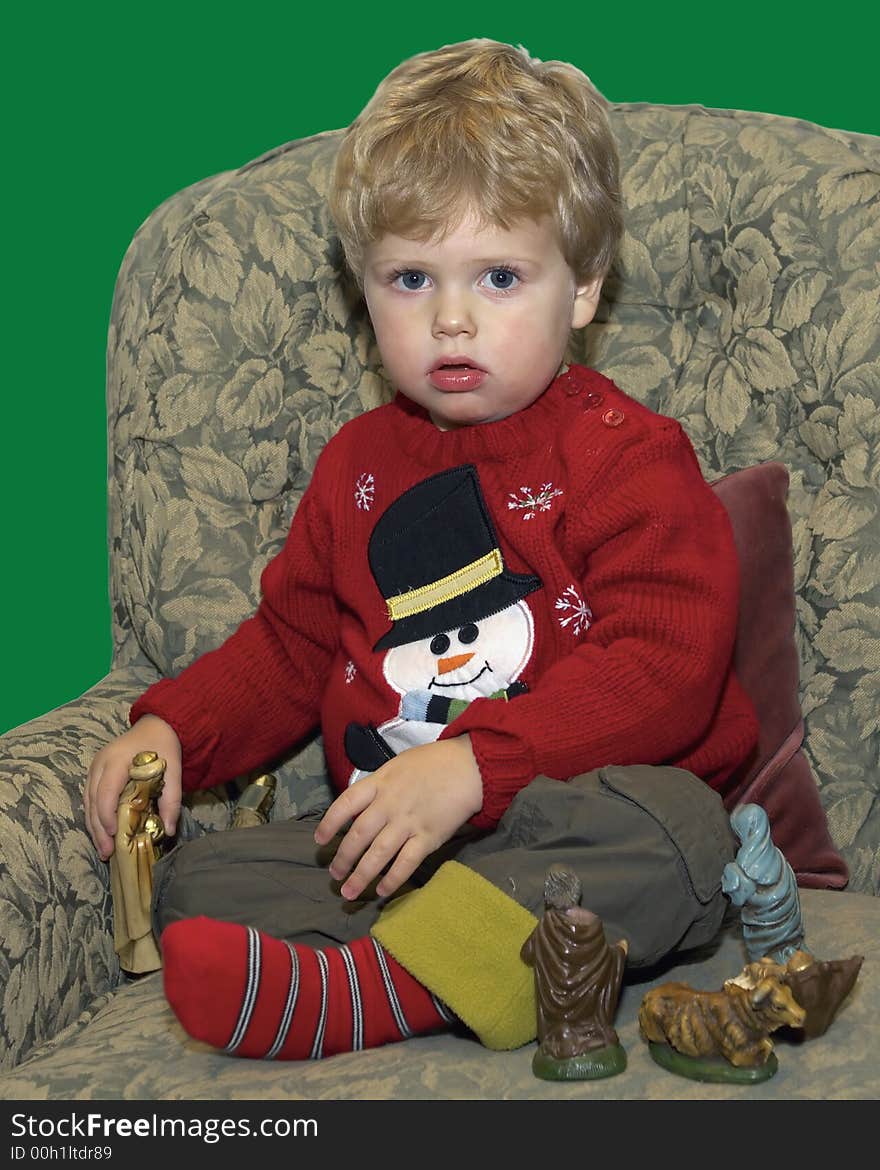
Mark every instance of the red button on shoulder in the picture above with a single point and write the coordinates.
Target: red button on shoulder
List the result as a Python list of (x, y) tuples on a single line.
[(592, 399), (569, 384), (613, 418)]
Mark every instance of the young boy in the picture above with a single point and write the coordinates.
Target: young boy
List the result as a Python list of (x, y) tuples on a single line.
[(508, 597)]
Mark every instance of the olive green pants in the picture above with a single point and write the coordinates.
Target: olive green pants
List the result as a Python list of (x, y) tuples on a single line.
[(648, 843)]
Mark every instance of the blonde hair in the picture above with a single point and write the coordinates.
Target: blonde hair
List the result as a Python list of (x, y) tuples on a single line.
[(481, 126)]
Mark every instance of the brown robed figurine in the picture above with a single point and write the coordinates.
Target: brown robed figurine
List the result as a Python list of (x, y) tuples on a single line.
[(577, 985)]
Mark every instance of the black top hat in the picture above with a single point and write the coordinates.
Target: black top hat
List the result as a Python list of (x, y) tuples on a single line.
[(436, 560)]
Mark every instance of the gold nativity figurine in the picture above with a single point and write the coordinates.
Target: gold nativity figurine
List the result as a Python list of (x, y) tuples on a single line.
[(255, 803), (577, 985), (139, 838)]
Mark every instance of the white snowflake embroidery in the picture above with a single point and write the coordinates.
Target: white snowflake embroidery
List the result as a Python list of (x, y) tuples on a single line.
[(533, 502), (365, 491), (578, 613), (350, 672)]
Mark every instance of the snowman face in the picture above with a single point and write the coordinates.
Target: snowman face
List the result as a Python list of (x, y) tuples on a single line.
[(470, 662)]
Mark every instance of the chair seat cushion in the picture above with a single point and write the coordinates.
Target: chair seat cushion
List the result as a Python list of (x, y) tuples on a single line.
[(132, 1048)]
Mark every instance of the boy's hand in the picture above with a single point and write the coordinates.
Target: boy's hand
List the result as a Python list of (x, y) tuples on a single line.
[(108, 775), (404, 811)]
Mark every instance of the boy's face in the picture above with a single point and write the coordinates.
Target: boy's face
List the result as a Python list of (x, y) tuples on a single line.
[(474, 326)]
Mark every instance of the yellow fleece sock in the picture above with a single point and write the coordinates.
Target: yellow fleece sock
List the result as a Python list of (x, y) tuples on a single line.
[(461, 936)]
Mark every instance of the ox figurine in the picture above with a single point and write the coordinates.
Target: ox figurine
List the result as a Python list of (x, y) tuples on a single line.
[(718, 1032)]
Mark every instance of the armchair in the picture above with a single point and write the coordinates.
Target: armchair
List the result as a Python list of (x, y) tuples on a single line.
[(745, 303)]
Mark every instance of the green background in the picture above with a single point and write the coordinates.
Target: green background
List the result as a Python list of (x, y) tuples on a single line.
[(109, 110)]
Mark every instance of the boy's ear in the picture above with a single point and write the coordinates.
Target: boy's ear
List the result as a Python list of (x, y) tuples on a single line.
[(586, 301)]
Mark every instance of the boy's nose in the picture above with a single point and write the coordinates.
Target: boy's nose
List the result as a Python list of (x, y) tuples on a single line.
[(445, 665), (453, 317)]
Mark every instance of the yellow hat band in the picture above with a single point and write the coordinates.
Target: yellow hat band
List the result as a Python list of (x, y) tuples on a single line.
[(436, 592)]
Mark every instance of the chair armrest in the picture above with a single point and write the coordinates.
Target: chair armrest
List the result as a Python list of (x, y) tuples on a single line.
[(56, 928)]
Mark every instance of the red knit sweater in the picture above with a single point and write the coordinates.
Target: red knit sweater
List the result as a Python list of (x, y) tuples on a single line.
[(561, 584)]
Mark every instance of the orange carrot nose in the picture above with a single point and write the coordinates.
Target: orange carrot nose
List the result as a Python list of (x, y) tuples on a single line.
[(446, 664)]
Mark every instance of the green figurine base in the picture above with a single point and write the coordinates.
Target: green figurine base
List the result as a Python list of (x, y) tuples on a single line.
[(589, 1066), (716, 1070)]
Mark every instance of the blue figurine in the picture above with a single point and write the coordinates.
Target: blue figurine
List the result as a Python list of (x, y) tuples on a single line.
[(762, 883)]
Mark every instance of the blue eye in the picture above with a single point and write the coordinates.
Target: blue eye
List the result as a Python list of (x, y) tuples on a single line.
[(502, 279), (410, 279)]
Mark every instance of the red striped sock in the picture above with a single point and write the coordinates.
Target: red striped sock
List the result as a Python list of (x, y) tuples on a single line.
[(238, 989)]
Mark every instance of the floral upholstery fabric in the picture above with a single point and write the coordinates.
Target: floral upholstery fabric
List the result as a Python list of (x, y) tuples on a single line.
[(745, 303)]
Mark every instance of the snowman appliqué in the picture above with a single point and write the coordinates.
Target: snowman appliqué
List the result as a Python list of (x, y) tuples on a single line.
[(461, 629)]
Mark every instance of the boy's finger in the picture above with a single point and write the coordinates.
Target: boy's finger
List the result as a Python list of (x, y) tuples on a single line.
[(107, 800), (405, 864), (103, 842), (385, 846), (95, 829), (169, 806), (344, 808), (359, 838)]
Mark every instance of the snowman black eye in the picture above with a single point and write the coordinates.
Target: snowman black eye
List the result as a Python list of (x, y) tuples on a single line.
[(440, 644), (468, 634)]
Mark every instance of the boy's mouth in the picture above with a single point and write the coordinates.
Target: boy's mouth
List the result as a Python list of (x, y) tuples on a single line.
[(456, 373)]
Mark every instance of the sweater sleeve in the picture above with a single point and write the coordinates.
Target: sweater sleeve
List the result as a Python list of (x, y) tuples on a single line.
[(643, 684), (245, 703)]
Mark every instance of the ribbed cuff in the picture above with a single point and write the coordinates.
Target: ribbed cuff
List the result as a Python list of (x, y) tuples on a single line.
[(198, 740), (460, 936), (506, 768)]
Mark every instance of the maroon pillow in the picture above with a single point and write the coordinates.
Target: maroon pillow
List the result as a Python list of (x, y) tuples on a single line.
[(778, 777)]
